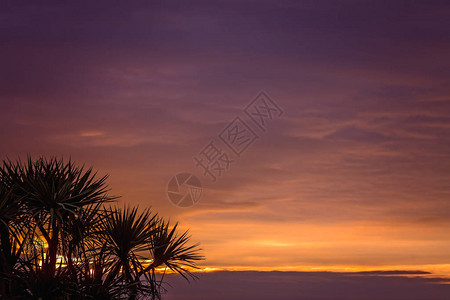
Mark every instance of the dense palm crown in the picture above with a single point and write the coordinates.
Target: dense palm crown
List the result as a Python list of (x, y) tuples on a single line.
[(61, 239)]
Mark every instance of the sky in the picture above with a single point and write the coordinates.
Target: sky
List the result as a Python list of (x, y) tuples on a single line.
[(353, 176)]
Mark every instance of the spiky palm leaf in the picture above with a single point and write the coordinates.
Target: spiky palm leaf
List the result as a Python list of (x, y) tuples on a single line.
[(171, 250), (51, 208), (54, 194), (125, 235)]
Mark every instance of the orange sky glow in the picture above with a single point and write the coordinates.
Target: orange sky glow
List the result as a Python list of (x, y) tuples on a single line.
[(354, 176)]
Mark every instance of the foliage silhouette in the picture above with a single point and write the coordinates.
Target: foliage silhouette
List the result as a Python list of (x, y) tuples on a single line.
[(59, 240)]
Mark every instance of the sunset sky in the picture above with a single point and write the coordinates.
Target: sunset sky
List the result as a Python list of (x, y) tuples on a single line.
[(354, 176)]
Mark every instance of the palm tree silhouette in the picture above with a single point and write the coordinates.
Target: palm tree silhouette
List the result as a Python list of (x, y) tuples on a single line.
[(59, 240)]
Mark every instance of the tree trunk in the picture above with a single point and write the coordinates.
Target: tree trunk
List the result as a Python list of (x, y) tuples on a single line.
[(53, 248)]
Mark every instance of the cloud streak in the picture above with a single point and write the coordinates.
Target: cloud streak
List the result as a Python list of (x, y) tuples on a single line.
[(311, 285)]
